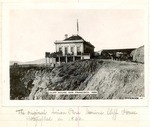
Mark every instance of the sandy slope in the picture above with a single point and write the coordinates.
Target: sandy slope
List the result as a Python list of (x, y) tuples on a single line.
[(117, 80)]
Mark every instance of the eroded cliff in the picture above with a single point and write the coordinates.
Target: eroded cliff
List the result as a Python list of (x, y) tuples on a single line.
[(112, 80)]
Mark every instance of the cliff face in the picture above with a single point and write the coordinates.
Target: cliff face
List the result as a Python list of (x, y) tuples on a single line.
[(112, 80), (21, 79)]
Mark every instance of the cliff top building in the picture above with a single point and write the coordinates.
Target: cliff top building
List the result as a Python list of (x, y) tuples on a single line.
[(74, 45), (70, 49)]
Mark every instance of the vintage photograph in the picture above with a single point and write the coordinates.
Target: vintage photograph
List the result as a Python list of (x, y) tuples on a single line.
[(77, 54)]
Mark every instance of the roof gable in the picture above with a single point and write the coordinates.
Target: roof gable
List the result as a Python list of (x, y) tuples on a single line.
[(74, 37), (77, 38)]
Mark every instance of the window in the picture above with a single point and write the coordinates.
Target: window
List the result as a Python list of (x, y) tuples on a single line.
[(60, 49), (72, 50), (66, 50), (78, 49)]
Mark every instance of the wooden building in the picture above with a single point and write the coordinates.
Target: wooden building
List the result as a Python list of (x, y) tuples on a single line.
[(116, 54), (70, 49)]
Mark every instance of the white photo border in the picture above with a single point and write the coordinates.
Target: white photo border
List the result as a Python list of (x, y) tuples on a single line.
[(5, 57)]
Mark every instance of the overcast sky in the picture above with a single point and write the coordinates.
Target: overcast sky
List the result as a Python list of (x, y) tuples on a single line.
[(33, 32)]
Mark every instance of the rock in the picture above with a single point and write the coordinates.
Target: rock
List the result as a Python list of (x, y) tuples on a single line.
[(138, 54)]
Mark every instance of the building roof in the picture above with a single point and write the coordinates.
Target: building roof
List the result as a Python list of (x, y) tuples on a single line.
[(127, 50), (75, 39), (119, 50)]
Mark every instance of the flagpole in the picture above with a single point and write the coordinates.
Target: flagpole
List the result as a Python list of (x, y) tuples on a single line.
[(77, 27)]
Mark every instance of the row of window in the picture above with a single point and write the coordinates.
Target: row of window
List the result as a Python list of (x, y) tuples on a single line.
[(71, 49)]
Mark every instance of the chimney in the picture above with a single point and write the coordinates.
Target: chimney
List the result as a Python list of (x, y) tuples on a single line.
[(66, 36)]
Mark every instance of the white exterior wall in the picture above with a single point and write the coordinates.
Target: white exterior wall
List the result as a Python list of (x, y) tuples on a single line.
[(52, 60), (57, 47), (82, 48), (75, 45), (63, 49), (75, 50), (86, 57)]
